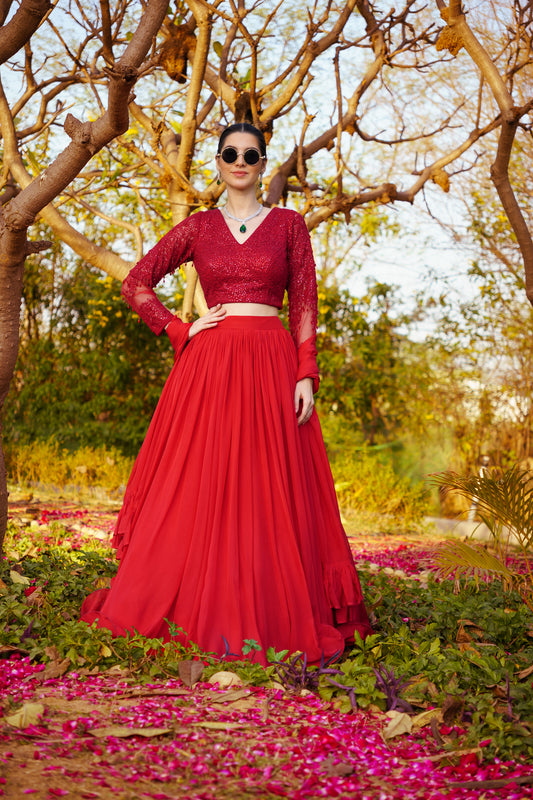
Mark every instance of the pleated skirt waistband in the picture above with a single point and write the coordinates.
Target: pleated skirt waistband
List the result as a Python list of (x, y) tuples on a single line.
[(251, 323)]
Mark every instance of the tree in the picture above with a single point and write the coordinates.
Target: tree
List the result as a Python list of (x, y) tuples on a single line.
[(495, 333), (219, 62), (30, 197), (457, 34)]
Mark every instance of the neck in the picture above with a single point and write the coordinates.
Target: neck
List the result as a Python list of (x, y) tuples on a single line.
[(242, 204)]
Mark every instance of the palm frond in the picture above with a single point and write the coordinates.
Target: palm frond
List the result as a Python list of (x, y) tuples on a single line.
[(503, 497), (462, 559)]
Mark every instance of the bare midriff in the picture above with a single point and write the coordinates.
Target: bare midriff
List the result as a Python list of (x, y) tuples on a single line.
[(249, 310)]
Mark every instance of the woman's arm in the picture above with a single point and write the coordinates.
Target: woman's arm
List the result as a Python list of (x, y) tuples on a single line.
[(176, 247), (302, 294)]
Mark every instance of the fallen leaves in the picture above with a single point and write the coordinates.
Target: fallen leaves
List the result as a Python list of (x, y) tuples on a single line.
[(208, 741), (399, 724), (525, 673), (122, 732), (224, 679), (16, 577), (29, 714), (57, 666), (190, 672), (331, 766), (427, 718), (220, 726), (232, 696), (188, 738)]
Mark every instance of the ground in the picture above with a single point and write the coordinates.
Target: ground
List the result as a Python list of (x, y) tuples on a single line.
[(105, 734)]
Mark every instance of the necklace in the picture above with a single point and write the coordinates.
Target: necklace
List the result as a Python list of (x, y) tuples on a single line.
[(242, 221)]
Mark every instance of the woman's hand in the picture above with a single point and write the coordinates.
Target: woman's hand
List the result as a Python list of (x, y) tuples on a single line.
[(303, 400), (209, 320)]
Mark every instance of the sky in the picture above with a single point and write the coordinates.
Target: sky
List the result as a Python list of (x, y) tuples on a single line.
[(423, 258)]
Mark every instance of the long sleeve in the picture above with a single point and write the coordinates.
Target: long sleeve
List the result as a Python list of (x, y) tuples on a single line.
[(302, 294), (169, 253)]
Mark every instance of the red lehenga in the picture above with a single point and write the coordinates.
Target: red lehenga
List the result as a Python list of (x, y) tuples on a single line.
[(230, 527)]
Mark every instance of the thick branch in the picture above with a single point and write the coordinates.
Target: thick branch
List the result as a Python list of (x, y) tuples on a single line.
[(100, 257), (220, 87), (188, 127), (385, 193), (5, 6), (88, 138), (457, 21), (107, 36), (499, 174), (20, 29)]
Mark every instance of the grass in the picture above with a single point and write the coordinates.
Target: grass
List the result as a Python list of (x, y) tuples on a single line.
[(367, 487)]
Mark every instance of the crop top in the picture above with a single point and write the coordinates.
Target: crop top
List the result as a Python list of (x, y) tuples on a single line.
[(276, 257)]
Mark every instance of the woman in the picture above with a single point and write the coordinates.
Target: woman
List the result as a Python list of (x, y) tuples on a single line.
[(230, 527)]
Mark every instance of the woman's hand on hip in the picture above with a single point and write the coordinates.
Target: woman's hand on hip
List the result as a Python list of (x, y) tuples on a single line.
[(303, 400), (209, 320)]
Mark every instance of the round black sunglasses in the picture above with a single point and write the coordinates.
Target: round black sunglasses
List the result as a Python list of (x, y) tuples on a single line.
[(251, 156)]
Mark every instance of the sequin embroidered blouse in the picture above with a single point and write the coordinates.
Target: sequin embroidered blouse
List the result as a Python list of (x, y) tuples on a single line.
[(276, 257)]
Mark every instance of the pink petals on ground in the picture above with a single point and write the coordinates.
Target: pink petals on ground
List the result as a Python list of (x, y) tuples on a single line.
[(242, 742)]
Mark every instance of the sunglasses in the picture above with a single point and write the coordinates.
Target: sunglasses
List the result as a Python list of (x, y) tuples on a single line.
[(251, 156)]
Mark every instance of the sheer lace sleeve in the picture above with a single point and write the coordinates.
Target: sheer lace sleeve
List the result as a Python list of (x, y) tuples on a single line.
[(169, 253), (302, 294)]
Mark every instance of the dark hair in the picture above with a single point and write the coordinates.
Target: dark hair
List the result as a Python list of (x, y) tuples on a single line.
[(243, 127)]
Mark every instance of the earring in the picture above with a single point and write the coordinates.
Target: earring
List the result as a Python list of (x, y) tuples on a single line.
[(218, 178), (260, 181)]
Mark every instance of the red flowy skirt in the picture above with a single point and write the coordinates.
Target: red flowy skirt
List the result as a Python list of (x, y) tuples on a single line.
[(230, 527)]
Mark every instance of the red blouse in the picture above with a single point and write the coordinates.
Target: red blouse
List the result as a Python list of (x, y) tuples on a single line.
[(276, 257)]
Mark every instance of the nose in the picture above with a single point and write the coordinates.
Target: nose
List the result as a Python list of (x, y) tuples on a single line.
[(240, 159)]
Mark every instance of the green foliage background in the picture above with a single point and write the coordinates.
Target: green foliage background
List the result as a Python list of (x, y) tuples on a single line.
[(89, 373)]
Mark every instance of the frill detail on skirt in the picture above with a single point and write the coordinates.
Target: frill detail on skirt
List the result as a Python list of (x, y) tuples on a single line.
[(343, 594), (124, 527)]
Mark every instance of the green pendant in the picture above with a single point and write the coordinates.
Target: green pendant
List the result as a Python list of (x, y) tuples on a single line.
[(243, 228)]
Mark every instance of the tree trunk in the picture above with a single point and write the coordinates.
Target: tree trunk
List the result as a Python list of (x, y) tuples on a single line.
[(10, 299), (87, 138)]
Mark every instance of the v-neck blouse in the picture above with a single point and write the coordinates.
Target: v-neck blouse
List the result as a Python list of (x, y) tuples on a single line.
[(275, 258)]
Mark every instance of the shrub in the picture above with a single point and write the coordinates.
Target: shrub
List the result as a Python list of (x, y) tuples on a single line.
[(49, 464), (366, 483)]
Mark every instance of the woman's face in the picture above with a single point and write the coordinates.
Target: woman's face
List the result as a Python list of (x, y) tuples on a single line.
[(240, 174)]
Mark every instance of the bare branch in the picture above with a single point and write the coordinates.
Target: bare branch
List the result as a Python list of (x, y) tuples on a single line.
[(116, 221), (107, 37), (312, 51), (510, 117), (188, 127), (457, 21)]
